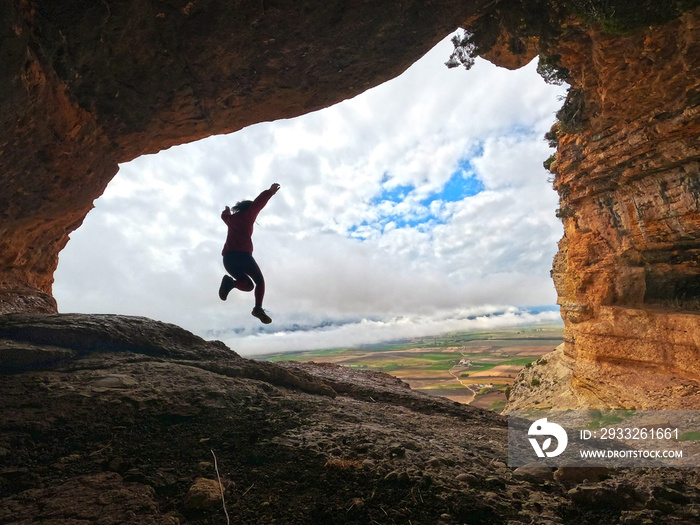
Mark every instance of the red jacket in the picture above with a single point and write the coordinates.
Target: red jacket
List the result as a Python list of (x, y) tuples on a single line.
[(240, 225)]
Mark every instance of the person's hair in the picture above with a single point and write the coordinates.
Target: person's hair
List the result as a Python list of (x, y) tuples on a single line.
[(241, 206)]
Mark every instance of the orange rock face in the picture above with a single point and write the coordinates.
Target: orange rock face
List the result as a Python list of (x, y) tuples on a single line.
[(628, 268)]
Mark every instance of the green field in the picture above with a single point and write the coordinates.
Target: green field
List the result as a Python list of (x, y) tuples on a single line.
[(468, 367)]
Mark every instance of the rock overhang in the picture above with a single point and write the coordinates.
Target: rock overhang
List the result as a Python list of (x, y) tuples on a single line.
[(89, 86)]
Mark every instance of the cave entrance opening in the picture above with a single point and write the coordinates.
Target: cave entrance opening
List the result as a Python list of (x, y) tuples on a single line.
[(419, 206)]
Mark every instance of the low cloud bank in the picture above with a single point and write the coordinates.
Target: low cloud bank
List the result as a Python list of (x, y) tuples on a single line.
[(366, 331)]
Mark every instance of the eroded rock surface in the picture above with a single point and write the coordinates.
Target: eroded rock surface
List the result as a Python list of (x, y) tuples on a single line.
[(126, 429), (627, 170), (628, 268), (550, 383)]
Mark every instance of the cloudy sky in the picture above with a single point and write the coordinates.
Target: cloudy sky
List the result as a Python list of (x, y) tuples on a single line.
[(416, 208)]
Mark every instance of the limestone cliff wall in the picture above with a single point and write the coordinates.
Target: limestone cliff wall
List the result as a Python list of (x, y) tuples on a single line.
[(628, 268), (627, 170)]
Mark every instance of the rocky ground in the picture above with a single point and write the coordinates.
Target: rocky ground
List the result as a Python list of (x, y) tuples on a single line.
[(548, 384), (112, 420)]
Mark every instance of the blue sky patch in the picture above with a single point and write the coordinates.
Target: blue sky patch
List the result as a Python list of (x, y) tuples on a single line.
[(395, 195), (462, 184)]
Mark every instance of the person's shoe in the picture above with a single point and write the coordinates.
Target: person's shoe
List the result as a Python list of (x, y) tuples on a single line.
[(260, 314), (227, 285)]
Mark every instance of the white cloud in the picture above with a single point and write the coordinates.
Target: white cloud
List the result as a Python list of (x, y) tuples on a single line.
[(152, 245), (367, 331)]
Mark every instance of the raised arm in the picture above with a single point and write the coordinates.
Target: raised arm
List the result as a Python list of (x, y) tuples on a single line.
[(261, 200)]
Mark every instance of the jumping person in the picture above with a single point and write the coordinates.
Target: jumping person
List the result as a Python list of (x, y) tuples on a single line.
[(238, 251)]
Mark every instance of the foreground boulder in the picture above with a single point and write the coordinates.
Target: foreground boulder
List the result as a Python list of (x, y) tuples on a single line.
[(121, 426)]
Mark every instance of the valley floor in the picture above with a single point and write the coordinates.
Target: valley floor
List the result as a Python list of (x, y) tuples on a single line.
[(474, 368)]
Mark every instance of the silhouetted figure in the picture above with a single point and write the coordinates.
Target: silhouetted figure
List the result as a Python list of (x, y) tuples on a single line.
[(238, 251)]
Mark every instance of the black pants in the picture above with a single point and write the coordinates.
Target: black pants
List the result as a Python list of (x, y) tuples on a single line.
[(246, 274)]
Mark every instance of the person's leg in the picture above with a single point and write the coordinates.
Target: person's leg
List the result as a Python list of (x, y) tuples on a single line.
[(253, 271), (235, 264), (227, 284), (245, 270)]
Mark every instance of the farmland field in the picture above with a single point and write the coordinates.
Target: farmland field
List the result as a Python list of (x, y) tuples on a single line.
[(468, 367)]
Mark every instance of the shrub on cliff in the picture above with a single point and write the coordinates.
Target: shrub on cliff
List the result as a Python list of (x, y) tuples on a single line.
[(546, 20)]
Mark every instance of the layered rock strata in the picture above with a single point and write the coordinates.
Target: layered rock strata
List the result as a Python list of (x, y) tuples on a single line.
[(627, 170)]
